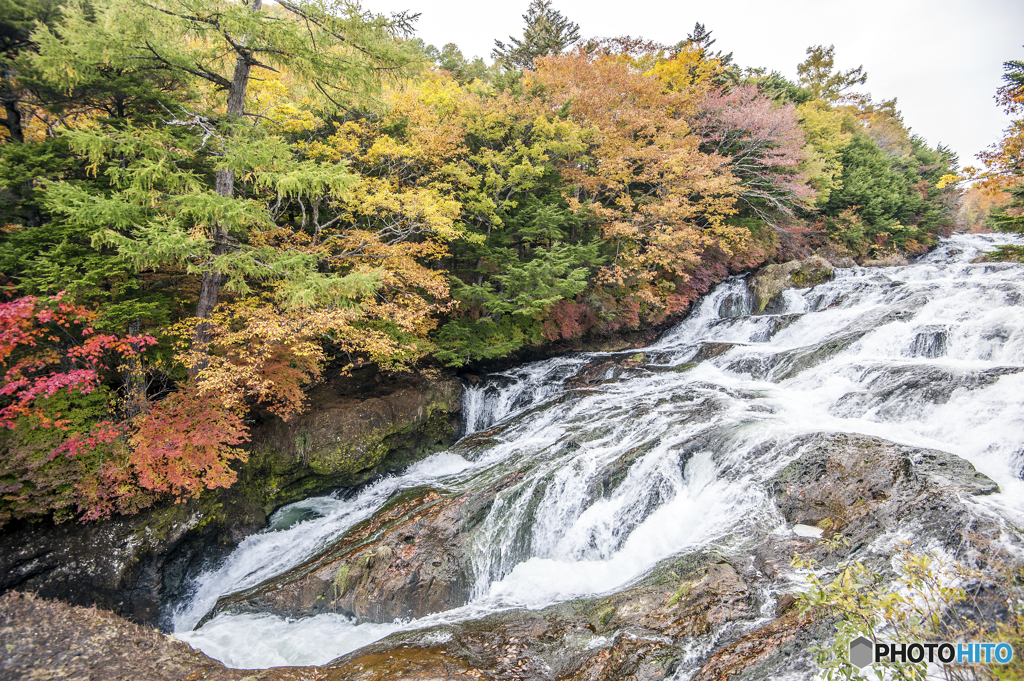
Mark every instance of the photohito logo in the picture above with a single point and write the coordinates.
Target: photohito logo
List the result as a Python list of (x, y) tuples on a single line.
[(863, 652)]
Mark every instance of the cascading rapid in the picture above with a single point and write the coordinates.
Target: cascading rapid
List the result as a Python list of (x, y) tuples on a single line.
[(606, 463)]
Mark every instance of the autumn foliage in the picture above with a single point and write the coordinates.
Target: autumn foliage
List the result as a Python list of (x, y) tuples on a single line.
[(275, 192), (48, 345), (53, 356)]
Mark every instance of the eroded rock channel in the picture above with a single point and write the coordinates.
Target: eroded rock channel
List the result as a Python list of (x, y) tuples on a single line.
[(634, 515)]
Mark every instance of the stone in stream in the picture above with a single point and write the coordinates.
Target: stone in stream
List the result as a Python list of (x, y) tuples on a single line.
[(930, 342), (406, 561), (770, 281)]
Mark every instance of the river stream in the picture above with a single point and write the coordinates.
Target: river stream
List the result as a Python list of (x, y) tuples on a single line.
[(624, 459)]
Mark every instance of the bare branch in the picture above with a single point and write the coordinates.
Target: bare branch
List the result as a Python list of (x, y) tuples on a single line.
[(199, 71)]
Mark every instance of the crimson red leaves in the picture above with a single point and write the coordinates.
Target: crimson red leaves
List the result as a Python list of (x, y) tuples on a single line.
[(48, 345), (176, 446)]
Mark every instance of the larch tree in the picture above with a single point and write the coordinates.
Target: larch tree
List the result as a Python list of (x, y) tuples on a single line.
[(163, 210), (818, 74), (661, 199)]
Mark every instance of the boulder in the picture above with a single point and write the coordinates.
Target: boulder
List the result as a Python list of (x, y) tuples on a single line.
[(52, 640), (859, 486), (631, 634), (770, 281)]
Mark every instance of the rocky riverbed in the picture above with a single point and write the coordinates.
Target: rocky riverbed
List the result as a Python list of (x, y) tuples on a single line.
[(610, 515), (711, 614)]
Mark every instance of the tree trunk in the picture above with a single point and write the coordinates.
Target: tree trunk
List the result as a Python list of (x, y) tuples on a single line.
[(13, 114), (133, 373), (209, 289)]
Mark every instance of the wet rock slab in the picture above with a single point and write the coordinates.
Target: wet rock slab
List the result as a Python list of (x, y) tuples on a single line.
[(708, 615), (408, 560), (701, 614), (631, 634)]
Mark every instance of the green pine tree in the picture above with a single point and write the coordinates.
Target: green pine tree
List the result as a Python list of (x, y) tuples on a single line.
[(546, 32)]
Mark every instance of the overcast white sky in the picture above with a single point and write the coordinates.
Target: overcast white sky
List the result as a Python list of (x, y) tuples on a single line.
[(942, 59)]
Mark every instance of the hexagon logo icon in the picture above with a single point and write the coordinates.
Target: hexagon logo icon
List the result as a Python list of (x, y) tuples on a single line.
[(861, 650)]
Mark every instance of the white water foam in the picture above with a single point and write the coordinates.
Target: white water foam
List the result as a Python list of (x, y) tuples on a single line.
[(286, 544), (639, 462)]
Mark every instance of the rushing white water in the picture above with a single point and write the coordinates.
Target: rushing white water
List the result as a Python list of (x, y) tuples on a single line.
[(625, 459)]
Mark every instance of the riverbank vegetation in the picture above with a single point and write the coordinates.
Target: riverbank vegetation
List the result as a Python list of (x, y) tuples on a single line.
[(206, 203), (1001, 179)]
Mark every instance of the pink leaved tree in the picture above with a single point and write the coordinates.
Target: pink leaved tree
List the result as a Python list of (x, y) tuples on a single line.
[(763, 142)]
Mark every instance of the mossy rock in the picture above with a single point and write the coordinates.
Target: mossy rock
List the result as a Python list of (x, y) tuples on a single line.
[(770, 281)]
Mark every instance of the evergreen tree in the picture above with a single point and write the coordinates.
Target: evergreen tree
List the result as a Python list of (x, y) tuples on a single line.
[(702, 40), (451, 59), (818, 74), (339, 51), (546, 32), (896, 199)]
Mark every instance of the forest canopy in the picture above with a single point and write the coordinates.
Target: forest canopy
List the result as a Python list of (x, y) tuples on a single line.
[(206, 203)]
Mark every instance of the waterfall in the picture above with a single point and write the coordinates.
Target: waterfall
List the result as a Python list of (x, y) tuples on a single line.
[(623, 459)]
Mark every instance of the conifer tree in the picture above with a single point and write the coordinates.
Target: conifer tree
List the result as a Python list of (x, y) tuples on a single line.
[(702, 40), (162, 208), (818, 74), (546, 32)]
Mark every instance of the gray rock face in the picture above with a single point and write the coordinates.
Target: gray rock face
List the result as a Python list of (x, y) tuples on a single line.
[(132, 564), (861, 486), (856, 486), (345, 434), (771, 280)]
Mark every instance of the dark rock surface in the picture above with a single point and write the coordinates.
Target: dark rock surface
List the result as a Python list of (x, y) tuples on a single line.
[(631, 634), (407, 561), (134, 564)]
